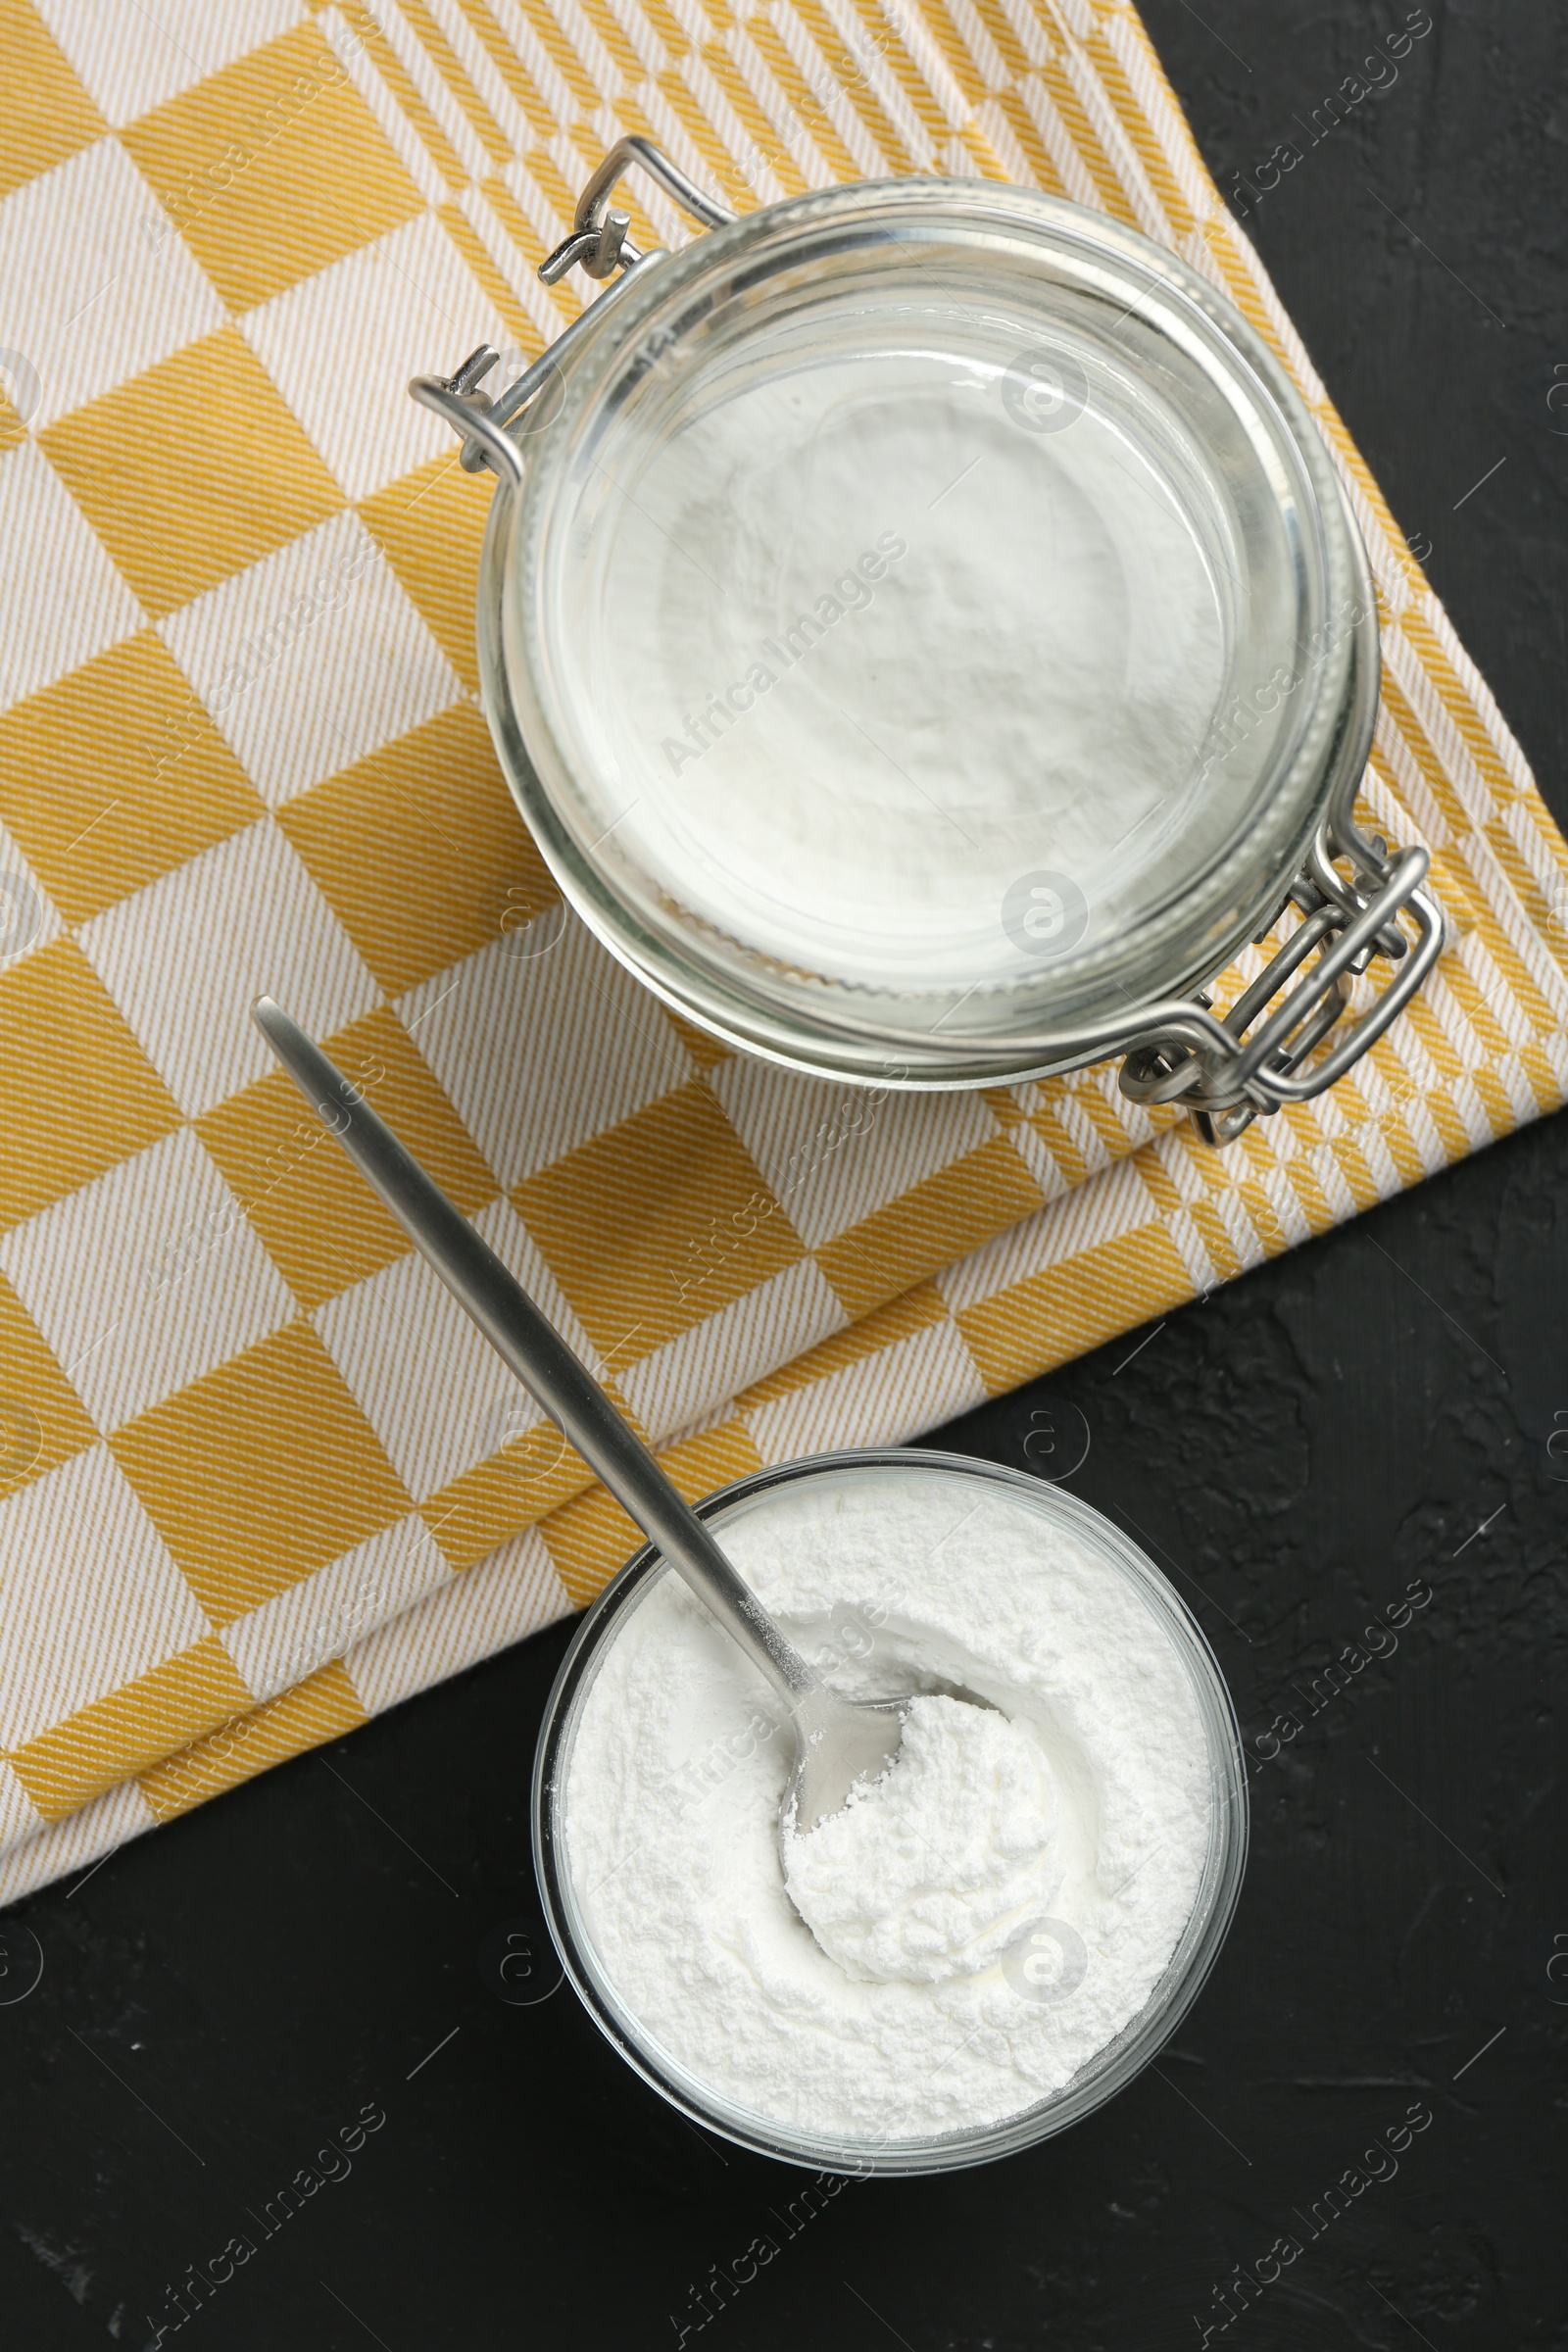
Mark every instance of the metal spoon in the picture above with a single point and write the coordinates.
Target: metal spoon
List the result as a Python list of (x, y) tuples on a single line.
[(838, 1742)]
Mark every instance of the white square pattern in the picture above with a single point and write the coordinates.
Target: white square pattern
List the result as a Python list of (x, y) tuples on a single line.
[(311, 659), (880, 1401), (28, 916), (145, 1279), (539, 1052), (511, 1590), (19, 1816), (68, 1541), (98, 286), (731, 1350), (436, 1393), (60, 599), (184, 958), (133, 58), (341, 347), (295, 1633), (833, 1153)]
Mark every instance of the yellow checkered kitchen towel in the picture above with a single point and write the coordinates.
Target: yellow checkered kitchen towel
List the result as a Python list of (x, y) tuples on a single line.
[(260, 1479)]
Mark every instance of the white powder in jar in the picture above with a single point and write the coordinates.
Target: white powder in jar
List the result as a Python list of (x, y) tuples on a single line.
[(863, 646), (980, 1973)]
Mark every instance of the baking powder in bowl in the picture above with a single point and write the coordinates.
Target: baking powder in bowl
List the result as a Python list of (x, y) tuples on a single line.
[(991, 1916)]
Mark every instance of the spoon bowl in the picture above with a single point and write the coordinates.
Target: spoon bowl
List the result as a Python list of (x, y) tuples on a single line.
[(839, 1747)]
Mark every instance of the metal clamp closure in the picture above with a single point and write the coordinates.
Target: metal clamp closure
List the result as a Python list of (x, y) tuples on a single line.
[(1227, 1077), (599, 243), (473, 412)]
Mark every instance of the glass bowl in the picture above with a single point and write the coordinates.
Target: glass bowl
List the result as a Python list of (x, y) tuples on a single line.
[(1112, 2065)]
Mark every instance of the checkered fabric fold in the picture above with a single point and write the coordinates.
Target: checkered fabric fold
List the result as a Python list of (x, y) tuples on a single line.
[(257, 1477)]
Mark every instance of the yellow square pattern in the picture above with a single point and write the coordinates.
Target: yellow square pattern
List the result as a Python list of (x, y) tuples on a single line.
[(47, 114), (132, 1727), (315, 1214), (42, 1422), (212, 615), (453, 860), (79, 1092), (116, 775), (657, 1224), (273, 168), (260, 1473), (192, 472), (430, 525)]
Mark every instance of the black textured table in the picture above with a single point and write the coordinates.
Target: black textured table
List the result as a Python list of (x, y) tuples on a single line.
[(300, 1982)]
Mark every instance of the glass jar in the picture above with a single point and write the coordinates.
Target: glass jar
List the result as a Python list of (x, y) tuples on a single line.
[(927, 637), (1112, 2065)]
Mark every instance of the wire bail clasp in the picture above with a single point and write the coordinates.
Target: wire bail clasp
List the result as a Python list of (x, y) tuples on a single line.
[(473, 412), (599, 244), (1227, 1078)]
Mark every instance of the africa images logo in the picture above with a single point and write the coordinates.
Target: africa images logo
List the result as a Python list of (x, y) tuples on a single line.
[(1045, 914), (1046, 1962)]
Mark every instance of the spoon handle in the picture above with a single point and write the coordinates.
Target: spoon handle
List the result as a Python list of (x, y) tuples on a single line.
[(535, 1352)]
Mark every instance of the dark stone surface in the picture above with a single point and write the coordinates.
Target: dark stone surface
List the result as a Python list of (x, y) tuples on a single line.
[(1374, 1411)]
